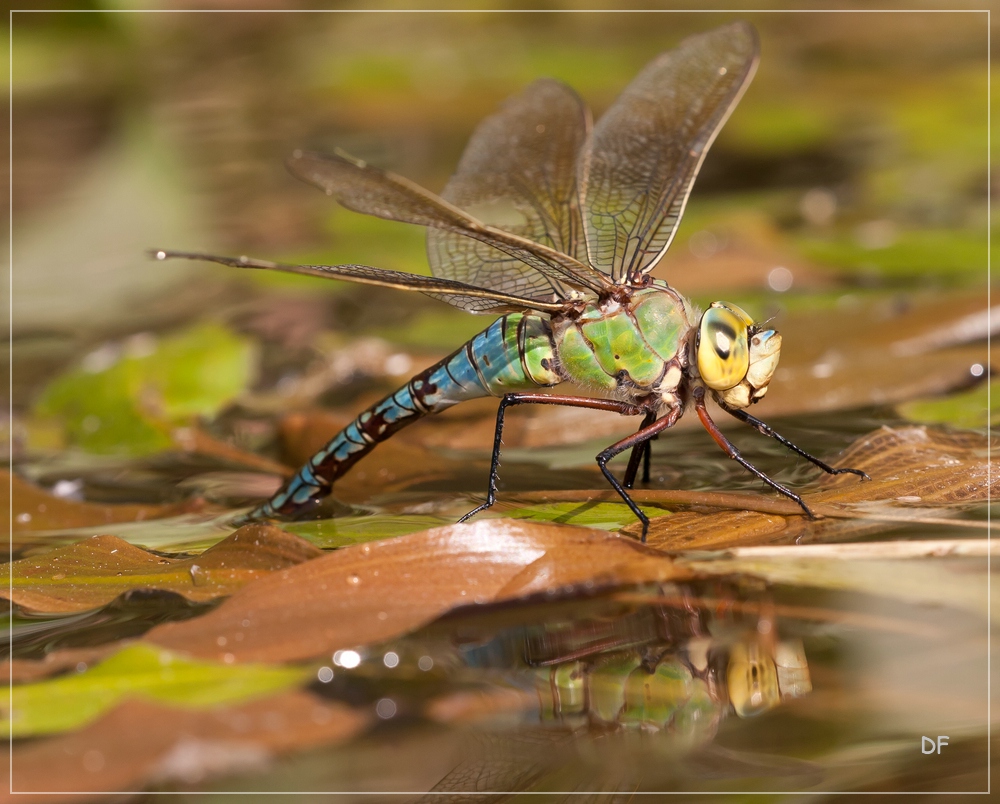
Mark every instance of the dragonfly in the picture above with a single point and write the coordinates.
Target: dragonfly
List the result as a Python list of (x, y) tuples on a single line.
[(555, 224)]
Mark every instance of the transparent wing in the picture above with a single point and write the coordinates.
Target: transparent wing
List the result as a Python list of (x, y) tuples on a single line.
[(466, 297), (366, 189), (635, 173), (518, 174)]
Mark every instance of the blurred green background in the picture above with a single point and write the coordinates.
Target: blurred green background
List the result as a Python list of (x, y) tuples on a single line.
[(851, 182), (860, 147)]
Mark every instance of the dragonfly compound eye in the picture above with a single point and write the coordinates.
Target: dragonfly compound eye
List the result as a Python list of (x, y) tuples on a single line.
[(752, 679), (723, 349)]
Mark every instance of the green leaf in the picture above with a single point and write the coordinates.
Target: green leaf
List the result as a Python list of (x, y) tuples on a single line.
[(129, 407), (967, 409), (606, 516), (344, 530), (69, 702)]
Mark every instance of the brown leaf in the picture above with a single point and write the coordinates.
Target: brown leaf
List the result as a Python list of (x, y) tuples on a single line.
[(195, 440), (34, 509), (141, 743), (909, 466), (921, 465), (373, 592), (94, 572), (23, 671)]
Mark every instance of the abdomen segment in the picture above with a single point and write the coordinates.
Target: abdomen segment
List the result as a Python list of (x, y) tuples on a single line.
[(515, 353)]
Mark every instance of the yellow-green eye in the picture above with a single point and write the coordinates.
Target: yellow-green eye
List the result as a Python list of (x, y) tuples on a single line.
[(723, 354), (752, 678)]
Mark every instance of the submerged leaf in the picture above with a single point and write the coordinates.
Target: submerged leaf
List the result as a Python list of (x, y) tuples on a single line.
[(606, 516), (94, 572), (965, 409), (340, 531), (142, 742), (70, 701), (128, 406), (369, 593)]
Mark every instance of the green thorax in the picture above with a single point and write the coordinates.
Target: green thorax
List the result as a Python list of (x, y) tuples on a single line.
[(629, 347)]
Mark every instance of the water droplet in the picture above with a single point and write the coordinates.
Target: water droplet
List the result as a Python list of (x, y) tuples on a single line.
[(347, 658), (385, 708), (325, 674), (780, 279), (391, 659), (425, 663), (353, 580), (93, 761)]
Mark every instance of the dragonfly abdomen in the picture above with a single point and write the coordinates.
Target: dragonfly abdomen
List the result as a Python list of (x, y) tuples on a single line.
[(514, 353)]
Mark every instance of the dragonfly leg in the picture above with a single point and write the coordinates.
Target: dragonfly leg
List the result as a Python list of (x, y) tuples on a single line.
[(527, 398), (639, 452), (636, 440), (730, 449), (761, 427)]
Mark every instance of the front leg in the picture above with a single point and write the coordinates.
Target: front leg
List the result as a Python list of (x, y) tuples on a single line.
[(732, 452), (528, 398), (761, 427)]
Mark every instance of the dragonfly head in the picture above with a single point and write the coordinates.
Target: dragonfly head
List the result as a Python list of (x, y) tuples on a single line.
[(736, 357)]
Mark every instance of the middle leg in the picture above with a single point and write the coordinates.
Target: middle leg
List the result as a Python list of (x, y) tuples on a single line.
[(612, 405)]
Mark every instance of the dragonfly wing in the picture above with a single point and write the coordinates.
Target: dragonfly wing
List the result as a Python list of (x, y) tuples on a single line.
[(466, 297), (518, 174), (636, 172), (363, 188)]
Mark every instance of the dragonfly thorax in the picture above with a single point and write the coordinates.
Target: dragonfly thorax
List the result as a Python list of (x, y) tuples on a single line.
[(735, 357), (630, 348)]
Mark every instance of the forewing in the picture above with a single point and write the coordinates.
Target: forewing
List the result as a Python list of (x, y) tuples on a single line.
[(636, 172), (466, 297), (518, 174), (363, 188)]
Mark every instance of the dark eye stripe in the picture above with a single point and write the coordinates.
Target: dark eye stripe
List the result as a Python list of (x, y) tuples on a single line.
[(729, 334)]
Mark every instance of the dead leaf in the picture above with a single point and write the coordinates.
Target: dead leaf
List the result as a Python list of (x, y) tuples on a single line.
[(915, 465), (94, 572), (373, 592), (33, 509), (141, 743), (194, 439), (915, 471), (24, 671)]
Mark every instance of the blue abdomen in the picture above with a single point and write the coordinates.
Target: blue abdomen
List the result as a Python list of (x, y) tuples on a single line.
[(514, 353)]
